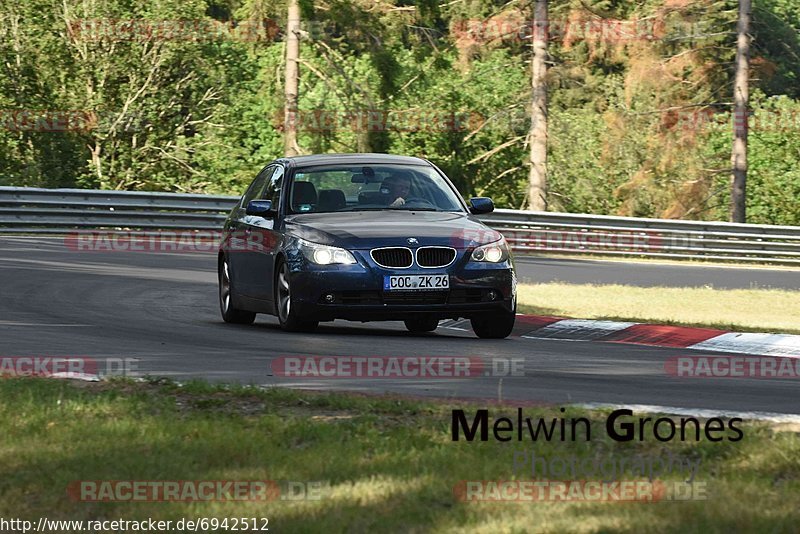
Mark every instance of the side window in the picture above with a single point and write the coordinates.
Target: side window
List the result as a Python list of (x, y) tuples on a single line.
[(255, 189), (274, 185)]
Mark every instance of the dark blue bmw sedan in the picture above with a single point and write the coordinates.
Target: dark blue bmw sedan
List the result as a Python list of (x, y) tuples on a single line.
[(363, 237)]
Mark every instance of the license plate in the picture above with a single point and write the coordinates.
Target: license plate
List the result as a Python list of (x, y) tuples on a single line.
[(416, 282)]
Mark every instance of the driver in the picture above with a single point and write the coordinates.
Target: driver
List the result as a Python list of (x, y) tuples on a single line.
[(396, 187)]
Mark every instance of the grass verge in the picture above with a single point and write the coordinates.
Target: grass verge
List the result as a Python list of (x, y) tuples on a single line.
[(387, 465), (742, 310)]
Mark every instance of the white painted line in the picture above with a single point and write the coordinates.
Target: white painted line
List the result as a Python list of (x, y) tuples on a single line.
[(76, 376), (580, 329), (556, 339), (459, 324), (14, 323), (784, 345), (696, 412)]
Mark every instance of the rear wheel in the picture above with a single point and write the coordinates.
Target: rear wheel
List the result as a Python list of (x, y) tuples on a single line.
[(496, 326), (287, 314), (421, 324), (229, 313)]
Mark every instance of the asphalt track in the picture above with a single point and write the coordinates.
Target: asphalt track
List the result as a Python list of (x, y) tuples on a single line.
[(161, 310)]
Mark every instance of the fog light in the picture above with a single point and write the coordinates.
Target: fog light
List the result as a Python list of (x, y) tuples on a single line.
[(330, 298), (492, 295)]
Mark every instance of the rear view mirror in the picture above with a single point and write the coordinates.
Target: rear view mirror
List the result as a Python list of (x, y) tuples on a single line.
[(481, 205), (260, 208), (366, 176)]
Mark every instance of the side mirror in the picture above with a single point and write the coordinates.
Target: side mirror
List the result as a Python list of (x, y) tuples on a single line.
[(260, 208), (481, 205)]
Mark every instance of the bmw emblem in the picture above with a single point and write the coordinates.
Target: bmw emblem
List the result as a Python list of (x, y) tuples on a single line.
[(412, 241)]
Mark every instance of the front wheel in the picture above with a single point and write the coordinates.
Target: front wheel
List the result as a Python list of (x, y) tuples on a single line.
[(498, 326), (229, 313), (287, 314), (421, 324)]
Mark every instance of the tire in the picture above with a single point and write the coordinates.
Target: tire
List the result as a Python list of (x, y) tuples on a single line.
[(498, 326), (229, 313), (287, 314), (421, 324)]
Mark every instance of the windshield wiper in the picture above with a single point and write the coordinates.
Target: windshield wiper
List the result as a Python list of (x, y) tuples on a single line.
[(358, 208), (388, 208)]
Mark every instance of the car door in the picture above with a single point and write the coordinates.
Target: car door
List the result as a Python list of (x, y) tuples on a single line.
[(240, 253), (265, 238)]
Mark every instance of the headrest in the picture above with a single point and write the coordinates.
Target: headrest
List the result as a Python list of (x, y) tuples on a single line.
[(331, 200), (303, 193)]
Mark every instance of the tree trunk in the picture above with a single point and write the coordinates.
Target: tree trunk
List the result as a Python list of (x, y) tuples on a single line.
[(537, 179), (741, 96), (290, 118)]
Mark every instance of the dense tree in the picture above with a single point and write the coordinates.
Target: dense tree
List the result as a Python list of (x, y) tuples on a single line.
[(537, 179), (639, 111)]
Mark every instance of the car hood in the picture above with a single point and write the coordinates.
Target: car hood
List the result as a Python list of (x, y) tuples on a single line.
[(369, 229)]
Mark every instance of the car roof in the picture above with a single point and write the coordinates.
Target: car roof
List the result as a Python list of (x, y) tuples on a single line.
[(354, 159)]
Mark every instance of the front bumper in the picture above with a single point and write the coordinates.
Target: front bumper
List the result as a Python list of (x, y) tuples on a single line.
[(476, 289)]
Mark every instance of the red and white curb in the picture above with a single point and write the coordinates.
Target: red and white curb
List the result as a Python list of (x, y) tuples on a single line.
[(708, 339)]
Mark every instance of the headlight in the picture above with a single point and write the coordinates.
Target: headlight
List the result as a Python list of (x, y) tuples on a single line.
[(324, 254), (496, 252)]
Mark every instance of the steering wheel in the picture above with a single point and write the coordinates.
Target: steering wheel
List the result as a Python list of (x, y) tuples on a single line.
[(426, 203)]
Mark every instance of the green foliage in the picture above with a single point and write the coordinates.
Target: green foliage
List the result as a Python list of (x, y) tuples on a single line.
[(205, 113), (777, 58), (773, 155)]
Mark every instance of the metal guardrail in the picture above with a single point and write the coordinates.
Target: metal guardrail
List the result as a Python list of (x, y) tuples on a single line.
[(56, 211), (60, 211), (567, 233)]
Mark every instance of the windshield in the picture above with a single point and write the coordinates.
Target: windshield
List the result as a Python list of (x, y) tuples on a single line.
[(338, 188)]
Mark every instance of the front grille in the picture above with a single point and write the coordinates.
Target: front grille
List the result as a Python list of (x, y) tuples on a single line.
[(435, 256), (358, 297), (465, 296), (415, 297), (396, 257), (454, 296)]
